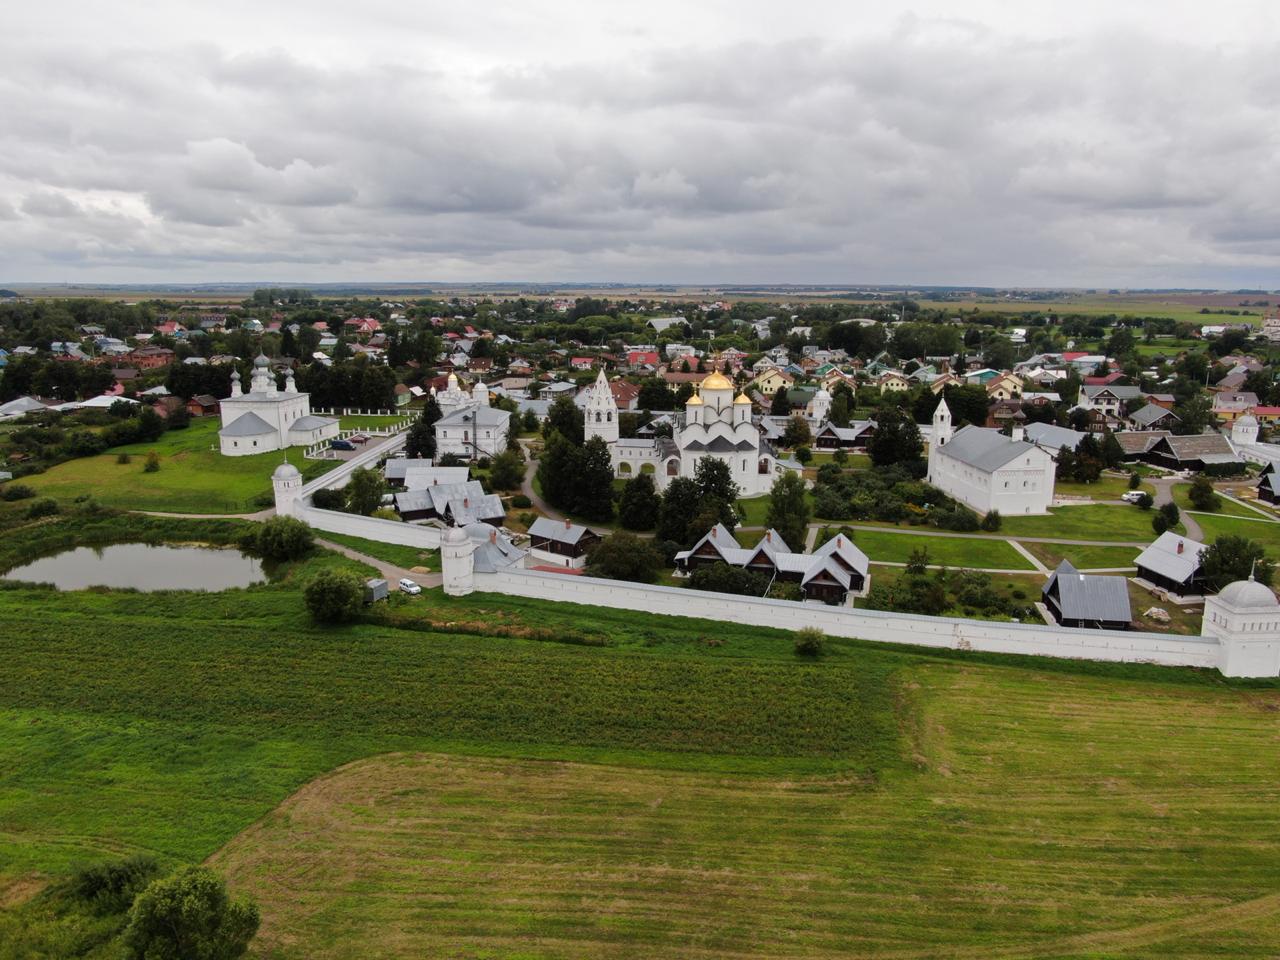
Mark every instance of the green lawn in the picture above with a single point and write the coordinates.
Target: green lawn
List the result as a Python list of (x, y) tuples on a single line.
[(407, 557), (361, 422), (194, 477), (944, 551), (1266, 532), (1083, 558), (1088, 522), (1227, 508), (1106, 488)]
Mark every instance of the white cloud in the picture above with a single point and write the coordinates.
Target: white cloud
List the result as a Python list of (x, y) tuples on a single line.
[(981, 142)]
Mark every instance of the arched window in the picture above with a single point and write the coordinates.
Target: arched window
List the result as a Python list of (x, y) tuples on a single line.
[(624, 469), (673, 468)]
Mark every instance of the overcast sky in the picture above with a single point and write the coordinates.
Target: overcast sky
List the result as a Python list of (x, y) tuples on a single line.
[(968, 142)]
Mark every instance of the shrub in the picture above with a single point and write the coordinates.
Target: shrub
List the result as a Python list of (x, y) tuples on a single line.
[(328, 499), (483, 463), (16, 491), (282, 538), (123, 457), (624, 556), (992, 521), (723, 578), (918, 561), (1135, 481), (809, 642), (521, 502), (1146, 501), (1202, 495), (804, 454), (334, 597), (840, 456), (385, 513), (44, 507), (112, 887), (189, 916), (152, 464)]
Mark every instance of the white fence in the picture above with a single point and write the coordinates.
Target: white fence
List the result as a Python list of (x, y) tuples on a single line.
[(370, 528), (1114, 645)]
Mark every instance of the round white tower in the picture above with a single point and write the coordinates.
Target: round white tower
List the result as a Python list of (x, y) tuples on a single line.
[(1244, 617), (480, 393), (1244, 432), (601, 415), (287, 483), (741, 409), (236, 390), (458, 562)]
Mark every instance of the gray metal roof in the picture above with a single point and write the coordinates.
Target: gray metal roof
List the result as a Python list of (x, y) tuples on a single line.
[(1116, 390), (1052, 437), (1150, 414), (247, 425), (479, 416), (467, 510), (1164, 558), (1083, 596), (396, 466), (310, 422), (985, 449), (558, 530)]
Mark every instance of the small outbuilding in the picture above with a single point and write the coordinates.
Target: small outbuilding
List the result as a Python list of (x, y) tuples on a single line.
[(561, 543), (1078, 599), (1172, 563), (375, 590)]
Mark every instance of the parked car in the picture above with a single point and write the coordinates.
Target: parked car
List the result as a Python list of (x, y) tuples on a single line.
[(409, 587), (341, 445), (1133, 496), (358, 438)]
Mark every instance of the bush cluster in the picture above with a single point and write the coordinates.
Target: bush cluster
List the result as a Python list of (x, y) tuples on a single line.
[(893, 494)]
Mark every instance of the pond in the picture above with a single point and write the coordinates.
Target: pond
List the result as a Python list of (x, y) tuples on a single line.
[(143, 567)]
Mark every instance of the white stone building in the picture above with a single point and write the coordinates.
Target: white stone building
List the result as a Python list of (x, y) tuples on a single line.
[(468, 427), (987, 470), (267, 418), (1244, 617), (715, 424)]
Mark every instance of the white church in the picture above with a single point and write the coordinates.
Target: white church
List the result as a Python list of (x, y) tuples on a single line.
[(468, 426), (267, 418), (987, 471), (715, 424)]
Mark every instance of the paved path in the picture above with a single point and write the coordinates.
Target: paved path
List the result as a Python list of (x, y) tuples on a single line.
[(1164, 494), (526, 487), (1035, 561), (931, 532), (388, 571), (260, 515)]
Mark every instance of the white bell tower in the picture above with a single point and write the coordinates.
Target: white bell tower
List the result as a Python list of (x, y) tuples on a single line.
[(601, 416), (1244, 617), (941, 425), (820, 406)]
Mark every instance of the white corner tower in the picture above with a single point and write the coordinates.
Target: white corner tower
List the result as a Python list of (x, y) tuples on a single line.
[(287, 483), (458, 562), (1244, 432), (820, 406), (1244, 617), (602, 412)]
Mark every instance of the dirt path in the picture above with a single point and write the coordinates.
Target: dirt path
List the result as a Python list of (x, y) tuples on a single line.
[(388, 571)]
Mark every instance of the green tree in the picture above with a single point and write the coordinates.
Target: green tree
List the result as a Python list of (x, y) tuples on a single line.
[(283, 538), (506, 471), (420, 441), (723, 578), (718, 491), (364, 491), (558, 470), (334, 596), (680, 502), (780, 404), (840, 409), (918, 561), (896, 438), (1231, 558), (638, 508), (566, 419), (992, 521), (1202, 495), (624, 556), (189, 916), (797, 433), (789, 512), (1194, 414), (594, 486)]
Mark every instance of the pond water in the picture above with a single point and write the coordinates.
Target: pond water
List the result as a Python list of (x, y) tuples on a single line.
[(144, 567)]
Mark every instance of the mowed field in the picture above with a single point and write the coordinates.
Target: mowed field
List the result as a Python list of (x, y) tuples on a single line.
[(1041, 815)]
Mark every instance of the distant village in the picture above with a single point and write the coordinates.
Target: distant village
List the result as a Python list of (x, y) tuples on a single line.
[(551, 427)]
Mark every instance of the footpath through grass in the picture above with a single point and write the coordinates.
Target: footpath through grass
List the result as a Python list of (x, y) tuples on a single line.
[(1089, 522), (194, 477), (401, 556), (974, 553)]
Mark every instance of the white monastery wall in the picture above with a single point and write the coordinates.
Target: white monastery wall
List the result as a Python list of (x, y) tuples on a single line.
[(370, 528)]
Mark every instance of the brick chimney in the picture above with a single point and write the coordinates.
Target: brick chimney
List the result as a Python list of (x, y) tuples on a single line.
[(567, 524), (1181, 546)]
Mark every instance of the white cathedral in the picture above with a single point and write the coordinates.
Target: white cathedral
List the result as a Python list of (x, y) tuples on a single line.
[(268, 418), (715, 424)]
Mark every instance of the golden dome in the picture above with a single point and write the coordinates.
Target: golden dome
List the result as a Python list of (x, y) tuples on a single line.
[(742, 398), (692, 400), (717, 381)]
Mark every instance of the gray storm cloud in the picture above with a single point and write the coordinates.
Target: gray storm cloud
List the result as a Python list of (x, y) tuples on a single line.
[(926, 151)]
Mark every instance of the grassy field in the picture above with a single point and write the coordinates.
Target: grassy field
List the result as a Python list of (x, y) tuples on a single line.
[(1227, 508), (407, 557), (361, 422), (511, 778), (1106, 488), (193, 476), (1266, 532), (1089, 522), (1184, 620), (1004, 842), (1083, 558), (945, 551)]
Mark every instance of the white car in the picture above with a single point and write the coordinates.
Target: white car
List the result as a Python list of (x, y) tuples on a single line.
[(1133, 496), (409, 587)]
